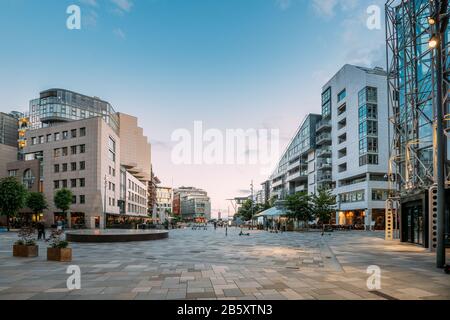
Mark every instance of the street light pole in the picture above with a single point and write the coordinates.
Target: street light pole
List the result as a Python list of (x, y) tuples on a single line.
[(104, 205), (440, 143)]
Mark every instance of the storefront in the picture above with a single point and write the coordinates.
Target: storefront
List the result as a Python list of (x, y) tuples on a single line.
[(125, 221), (77, 220), (354, 218), (414, 219)]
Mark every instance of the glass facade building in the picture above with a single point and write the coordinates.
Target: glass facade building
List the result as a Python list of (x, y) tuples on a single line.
[(58, 105), (412, 97)]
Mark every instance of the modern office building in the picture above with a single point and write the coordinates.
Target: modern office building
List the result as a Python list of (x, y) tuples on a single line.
[(192, 204), (9, 129), (412, 71), (163, 202), (59, 105), (339, 150), (81, 144), (295, 171), (82, 156)]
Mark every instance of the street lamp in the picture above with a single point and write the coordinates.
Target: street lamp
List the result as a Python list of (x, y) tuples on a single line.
[(104, 205), (433, 42), (439, 24)]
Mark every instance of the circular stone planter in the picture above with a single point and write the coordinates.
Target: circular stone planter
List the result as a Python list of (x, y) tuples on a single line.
[(111, 235)]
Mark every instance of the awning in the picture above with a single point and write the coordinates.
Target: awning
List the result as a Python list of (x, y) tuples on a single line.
[(276, 211)]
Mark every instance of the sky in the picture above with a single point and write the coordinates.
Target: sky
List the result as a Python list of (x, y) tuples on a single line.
[(232, 64)]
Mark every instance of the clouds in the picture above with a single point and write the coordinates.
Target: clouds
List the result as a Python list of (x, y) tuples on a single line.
[(329, 8), (123, 5), (283, 4), (120, 33)]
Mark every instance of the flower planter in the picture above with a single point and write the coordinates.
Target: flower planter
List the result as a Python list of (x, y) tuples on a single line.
[(25, 251), (59, 254)]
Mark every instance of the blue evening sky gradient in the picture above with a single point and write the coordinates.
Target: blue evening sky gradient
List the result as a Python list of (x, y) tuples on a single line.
[(230, 63)]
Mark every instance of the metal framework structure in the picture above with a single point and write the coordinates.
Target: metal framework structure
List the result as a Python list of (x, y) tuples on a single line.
[(412, 101)]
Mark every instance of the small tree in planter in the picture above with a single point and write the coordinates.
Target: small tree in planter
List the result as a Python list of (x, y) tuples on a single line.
[(26, 246), (59, 249), (324, 206)]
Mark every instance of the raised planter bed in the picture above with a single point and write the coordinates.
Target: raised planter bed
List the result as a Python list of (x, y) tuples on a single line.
[(59, 254), (23, 251)]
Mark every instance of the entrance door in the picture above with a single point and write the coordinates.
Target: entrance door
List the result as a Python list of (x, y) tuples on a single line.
[(415, 225), (97, 222)]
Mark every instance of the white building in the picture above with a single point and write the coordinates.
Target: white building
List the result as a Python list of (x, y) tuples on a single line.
[(358, 113), (342, 150)]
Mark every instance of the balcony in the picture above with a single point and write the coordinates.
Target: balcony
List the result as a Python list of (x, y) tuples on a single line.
[(324, 138), (326, 177), (324, 165), (324, 153), (297, 176), (323, 125)]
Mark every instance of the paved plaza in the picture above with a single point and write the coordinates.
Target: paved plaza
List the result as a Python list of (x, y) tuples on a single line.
[(206, 264)]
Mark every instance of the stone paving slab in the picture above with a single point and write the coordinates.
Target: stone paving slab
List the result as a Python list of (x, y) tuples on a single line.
[(207, 265)]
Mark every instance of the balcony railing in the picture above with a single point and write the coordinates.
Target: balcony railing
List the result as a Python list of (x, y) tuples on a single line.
[(323, 138), (324, 152), (324, 177), (323, 125), (324, 164)]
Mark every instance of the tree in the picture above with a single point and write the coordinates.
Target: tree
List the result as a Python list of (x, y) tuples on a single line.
[(323, 205), (247, 210), (298, 207), (36, 202), (63, 199), (12, 197)]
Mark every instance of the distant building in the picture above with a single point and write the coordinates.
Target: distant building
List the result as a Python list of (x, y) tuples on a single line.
[(192, 203), (163, 202)]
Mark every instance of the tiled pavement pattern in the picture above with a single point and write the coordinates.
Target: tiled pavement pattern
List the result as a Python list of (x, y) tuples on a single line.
[(199, 264)]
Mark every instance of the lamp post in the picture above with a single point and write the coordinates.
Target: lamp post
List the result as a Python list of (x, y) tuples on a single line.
[(436, 44), (104, 205)]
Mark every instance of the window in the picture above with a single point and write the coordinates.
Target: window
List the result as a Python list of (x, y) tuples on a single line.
[(73, 183), (57, 136), (12, 173), (65, 135), (326, 103), (49, 138), (65, 151), (342, 109), (56, 168), (73, 150), (113, 172), (73, 133), (82, 148), (368, 159), (57, 152), (56, 184), (380, 195), (41, 139), (33, 141), (341, 95), (82, 199), (82, 132), (82, 165), (112, 149), (74, 199), (82, 182), (64, 183), (64, 167)]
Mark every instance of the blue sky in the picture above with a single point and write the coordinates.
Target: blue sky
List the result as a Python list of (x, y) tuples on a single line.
[(230, 63)]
